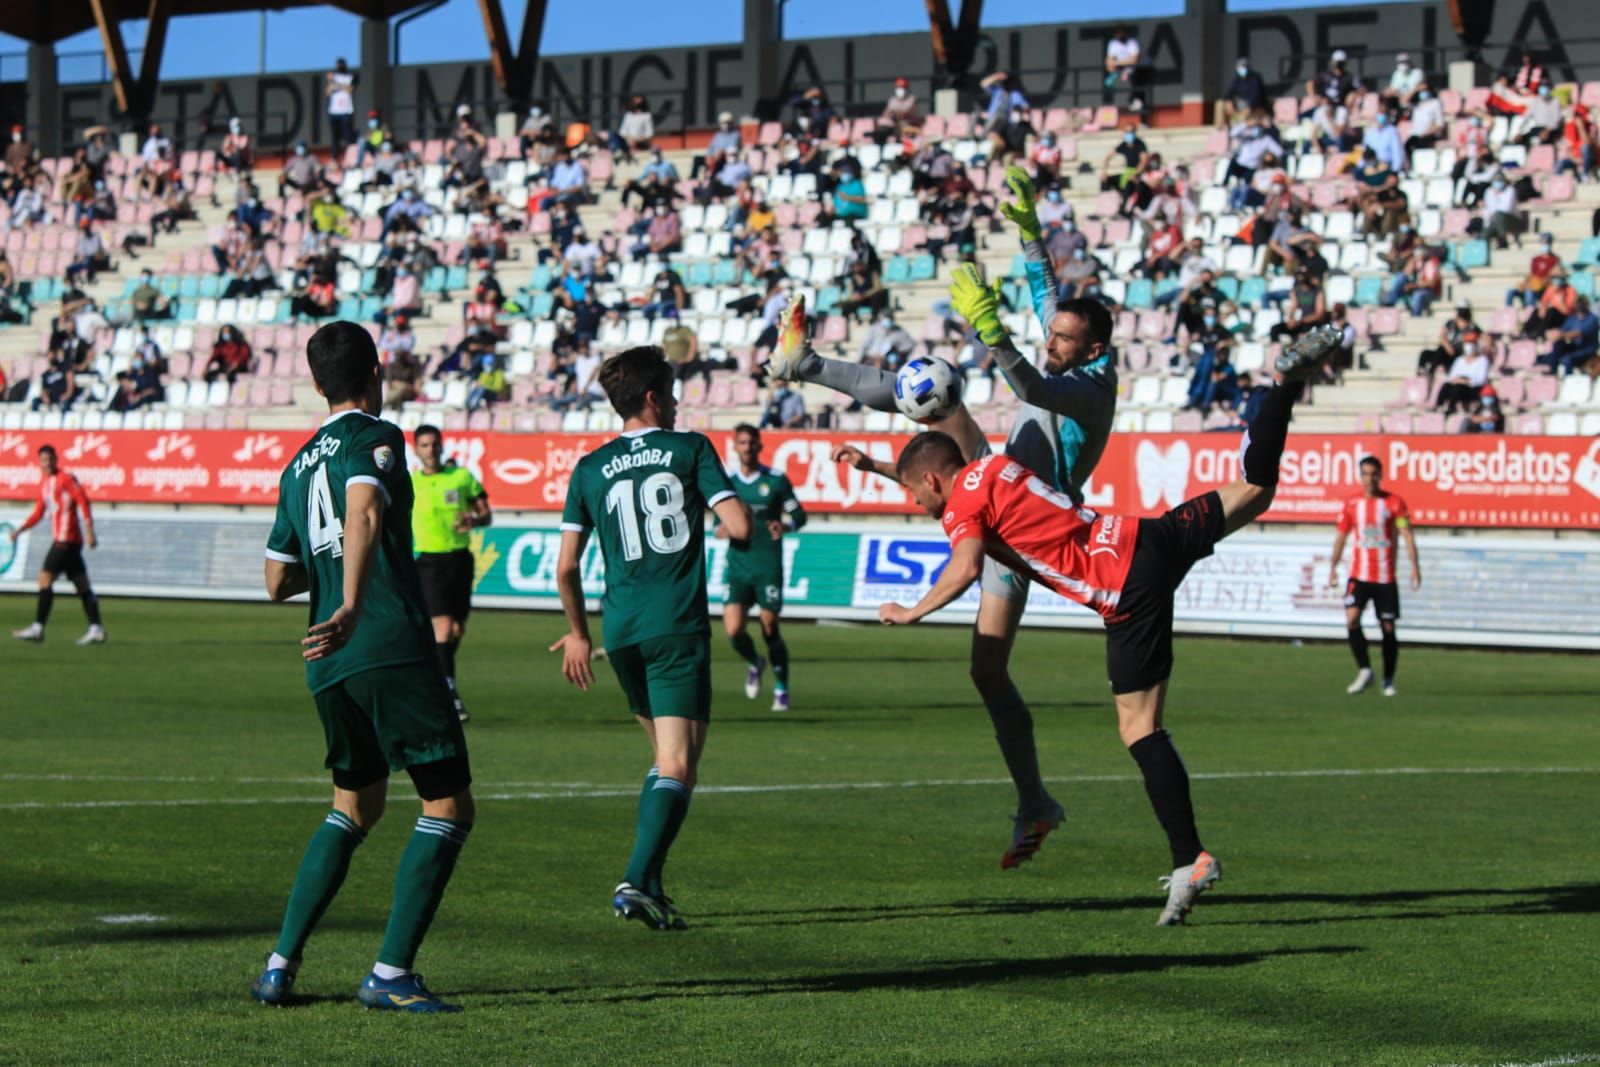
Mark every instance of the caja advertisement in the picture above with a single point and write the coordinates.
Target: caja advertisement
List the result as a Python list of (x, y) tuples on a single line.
[(1492, 482)]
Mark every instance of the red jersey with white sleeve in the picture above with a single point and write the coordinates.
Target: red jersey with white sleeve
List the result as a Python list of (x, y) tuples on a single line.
[(63, 500), (1030, 527), (1374, 520)]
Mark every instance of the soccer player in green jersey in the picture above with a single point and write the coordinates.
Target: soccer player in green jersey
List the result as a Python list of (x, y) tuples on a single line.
[(450, 504), (755, 568), (646, 494), (343, 534)]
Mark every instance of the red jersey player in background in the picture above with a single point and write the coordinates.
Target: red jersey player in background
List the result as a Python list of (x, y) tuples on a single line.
[(66, 506), (1124, 568), (1376, 517)]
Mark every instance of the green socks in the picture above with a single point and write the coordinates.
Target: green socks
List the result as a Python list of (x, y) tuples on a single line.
[(425, 869), (322, 871), (746, 647), (778, 653), (662, 807)]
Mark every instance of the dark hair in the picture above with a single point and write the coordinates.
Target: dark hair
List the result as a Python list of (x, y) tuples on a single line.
[(929, 449), (342, 358), (48, 448), (747, 427), (1094, 313), (1371, 461), (630, 376), (425, 430)]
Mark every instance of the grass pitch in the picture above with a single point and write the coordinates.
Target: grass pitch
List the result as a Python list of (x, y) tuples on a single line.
[(849, 907)]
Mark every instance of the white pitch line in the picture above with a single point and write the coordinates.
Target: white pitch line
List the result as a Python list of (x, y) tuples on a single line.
[(586, 791), (1559, 1061), (125, 920)]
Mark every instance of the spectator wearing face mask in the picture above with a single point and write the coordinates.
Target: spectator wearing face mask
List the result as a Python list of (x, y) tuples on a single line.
[(1403, 85), (374, 137), (1252, 142), (147, 302), (1427, 120), (407, 214), (1540, 122), (1468, 374), (1213, 381), (1004, 97), (1577, 342), (1452, 335), (339, 89), (230, 356), (1080, 276), (1124, 62), (900, 119), (1498, 213), (849, 195), (1418, 285), (301, 172), (724, 142), (1062, 239), (1479, 174), (636, 130), (1124, 162), (1529, 76), (887, 344), (1486, 416), (1579, 153), (1046, 158), (1384, 140), (1009, 141), (1245, 95)]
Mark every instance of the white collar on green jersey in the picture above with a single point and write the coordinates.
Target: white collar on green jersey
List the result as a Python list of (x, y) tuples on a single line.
[(640, 432), (739, 474), (337, 415)]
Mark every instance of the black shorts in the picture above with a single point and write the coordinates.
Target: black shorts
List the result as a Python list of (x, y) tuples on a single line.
[(64, 558), (1139, 636), (447, 582), (1384, 597)]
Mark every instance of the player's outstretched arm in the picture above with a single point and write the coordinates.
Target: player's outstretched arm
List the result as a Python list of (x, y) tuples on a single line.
[(363, 526), (793, 359), (574, 645), (1024, 213), (966, 563), (862, 462)]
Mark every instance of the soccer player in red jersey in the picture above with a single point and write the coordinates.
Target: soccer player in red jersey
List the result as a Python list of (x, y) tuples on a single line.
[(1376, 517), (1125, 568), (63, 500)]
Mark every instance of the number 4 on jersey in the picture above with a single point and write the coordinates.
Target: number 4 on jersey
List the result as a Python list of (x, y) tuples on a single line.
[(322, 522)]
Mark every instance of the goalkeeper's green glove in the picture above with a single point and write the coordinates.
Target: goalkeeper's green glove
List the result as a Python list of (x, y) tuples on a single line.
[(977, 303), (1024, 212)]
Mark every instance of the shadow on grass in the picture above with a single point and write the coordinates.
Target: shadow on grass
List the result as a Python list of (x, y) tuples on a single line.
[(1543, 900), (945, 974), (267, 928)]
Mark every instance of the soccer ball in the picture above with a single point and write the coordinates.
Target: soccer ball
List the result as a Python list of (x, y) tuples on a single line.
[(926, 390)]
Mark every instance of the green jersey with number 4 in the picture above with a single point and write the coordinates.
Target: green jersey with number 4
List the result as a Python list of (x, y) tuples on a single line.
[(354, 448), (770, 497), (646, 494)]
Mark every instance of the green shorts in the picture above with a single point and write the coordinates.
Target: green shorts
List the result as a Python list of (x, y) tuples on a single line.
[(766, 591), (666, 676), (389, 719)]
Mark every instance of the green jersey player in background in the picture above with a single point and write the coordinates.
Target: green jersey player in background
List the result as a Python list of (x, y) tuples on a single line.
[(1069, 399), (755, 568), (343, 534), (450, 504), (646, 494)]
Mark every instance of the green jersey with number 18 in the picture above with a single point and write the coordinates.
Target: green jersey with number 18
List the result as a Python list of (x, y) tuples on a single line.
[(646, 495), (354, 448)]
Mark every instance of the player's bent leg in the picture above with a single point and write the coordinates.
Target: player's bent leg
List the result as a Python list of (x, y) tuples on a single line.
[(96, 634), (47, 598), (736, 621)]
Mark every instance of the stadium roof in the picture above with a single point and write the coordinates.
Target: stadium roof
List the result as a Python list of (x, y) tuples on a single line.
[(48, 21)]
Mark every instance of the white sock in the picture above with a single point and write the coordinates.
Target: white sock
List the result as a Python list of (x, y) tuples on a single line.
[(388, 973), (276, 962)]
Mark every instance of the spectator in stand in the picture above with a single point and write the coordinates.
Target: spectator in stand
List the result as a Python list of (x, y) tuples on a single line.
[(139, 386), (1540, 122), (1046, 160), (382, 169), (402, 373), (1468, 374), (786, 410), (1080, 276), (887, 343), (317, 300), (1383, 138), (1478, 175), (725, 141), (1498, 216), (1004, 97), (1404, 85), (1062, 239), (155, 145), (405, 297), (1472, 138), (1418, 285), (1577, 343), (812, 113), (9, 298), (148, 302), (1252, 142), (656, 184), (1330, 126), (899, 120), (1054, 207), (155, 174), (302, 171), (1557, 303), (91, 255), (1577, 149), (536, 126), (569, 179), (1427, 120), (406, 214), (1245, 96), (863, 290), (584, 254), (465, 152), (1213, 381), (1124, 62), (1162, 251), (581, 387), (1486, 416), (236, 156), (77, 184), (490, 386), (254, 275), (1125, 162), (97, 150), (374, 137), (102, 205), (325, 215), (58, 388), (668, 296), (397, 336), (339, 88), (931, 165), (849, 194), (1337, 87), (1452, 336), (1343, 357), (1540, 268), (635, 132), (230, 356), (176, 207), (1009, 141), (1305, 309), (1290, 242), (1529, 76)]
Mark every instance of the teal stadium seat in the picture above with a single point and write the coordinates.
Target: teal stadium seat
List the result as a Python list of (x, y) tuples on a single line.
[(827, 299), (457, 278), (1470, 255), (1251, 292), (542, 277), (1139, 295), (725, 273), (541, 304), (1369, 289), (1019, 266), (897, 270), (189, 285), (1583, 282), (699, 276), (1228, 286), (924, 268), (1589, 252), (434, 282), (212, 285)]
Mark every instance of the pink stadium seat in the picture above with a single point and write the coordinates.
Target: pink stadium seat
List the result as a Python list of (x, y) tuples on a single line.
[(745, 392), (1107, 203), (932, 329), (1504, 321), (957, 126), (282, 394), (694, 392), (1414, 393), (1118, 230), (720, 395), (1381, 322), (1286, 110), (1069, 149), (1521, 355), (933, 126), (455, 420), (1451, 101), (835, 329), (809, 212), (1187, 422), (601, 168), (1055, 118), (1399, 422), (1456, 220), (1558, 188), (1540, 390), (1216, 142), (862, 128), (260, 394), (1530, 423), (1365, 424), (479, 421), (1105, 116), (1431, 422), (1511, 391), (1541, 157)]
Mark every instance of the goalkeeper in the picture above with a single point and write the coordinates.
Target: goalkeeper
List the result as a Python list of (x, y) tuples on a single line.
[(1060, 431)]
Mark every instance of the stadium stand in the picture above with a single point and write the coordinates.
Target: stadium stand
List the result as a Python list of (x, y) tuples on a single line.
[(543, 257)]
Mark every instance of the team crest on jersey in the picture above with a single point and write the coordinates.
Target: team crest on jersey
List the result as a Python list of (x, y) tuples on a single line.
[(383, 456), (452, 497), (763, 489)]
